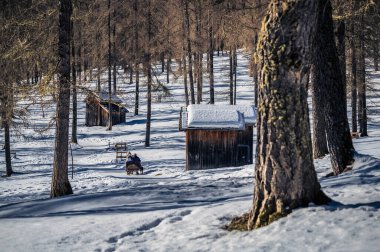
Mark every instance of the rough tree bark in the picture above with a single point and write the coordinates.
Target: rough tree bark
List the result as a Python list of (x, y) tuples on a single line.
[(328, 76), (285, 174), (60, 182), (319, 126)]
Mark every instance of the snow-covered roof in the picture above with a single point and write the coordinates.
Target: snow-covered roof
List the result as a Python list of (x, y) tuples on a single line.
[(103, 97), (208, 116)]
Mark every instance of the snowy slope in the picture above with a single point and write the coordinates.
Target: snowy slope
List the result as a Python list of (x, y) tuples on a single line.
[(168, 208)]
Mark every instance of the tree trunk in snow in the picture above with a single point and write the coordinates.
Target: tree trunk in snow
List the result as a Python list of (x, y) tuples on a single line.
[(149, 79), (6, 118), (319, 126), (328, 75), (60, 182), (7, 146), (285, 174), (362, 103)]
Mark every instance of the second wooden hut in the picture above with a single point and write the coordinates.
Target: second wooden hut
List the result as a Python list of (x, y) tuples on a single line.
[(97, 109), (218, 135)]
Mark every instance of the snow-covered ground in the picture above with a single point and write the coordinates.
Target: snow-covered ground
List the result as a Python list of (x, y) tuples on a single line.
[(169, 208)]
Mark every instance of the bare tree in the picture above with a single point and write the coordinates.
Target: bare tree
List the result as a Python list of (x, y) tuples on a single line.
[(60, 182)]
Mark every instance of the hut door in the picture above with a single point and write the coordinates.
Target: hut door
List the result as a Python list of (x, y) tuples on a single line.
[(243, 154)]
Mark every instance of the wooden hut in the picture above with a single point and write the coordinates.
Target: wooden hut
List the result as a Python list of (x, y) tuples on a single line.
[(97, 109), (218, 135)]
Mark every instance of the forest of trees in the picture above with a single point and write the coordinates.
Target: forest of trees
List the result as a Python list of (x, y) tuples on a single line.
[(54, 49)]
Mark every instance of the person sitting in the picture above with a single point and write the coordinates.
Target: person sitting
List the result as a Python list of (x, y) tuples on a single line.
[(136, 160), (129, 160)]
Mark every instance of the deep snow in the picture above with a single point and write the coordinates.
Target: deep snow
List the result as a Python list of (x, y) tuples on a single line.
[(168, 208)]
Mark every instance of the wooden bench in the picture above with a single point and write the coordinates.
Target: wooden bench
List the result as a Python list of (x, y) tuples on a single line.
[(121, 150), (355, 135), (131, 168)]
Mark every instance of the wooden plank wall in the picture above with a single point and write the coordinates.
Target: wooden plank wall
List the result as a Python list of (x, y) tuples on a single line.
[(206, 149), (97, 114)]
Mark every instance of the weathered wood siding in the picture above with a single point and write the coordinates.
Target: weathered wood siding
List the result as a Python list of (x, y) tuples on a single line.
[(207, 149), (97, 114)]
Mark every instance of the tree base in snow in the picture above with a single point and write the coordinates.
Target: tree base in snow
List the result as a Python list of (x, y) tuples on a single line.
[(265, 217), (61, 190)]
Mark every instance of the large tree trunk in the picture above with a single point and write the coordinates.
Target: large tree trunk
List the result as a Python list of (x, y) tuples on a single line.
[(319, 126), (285, 174), (60, 182), (328, 75), (362, 106)]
